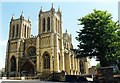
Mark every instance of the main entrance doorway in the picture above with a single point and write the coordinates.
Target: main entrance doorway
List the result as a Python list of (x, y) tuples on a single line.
[(27, 69)]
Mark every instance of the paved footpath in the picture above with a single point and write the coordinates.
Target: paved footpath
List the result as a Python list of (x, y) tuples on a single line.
[(26, 81)]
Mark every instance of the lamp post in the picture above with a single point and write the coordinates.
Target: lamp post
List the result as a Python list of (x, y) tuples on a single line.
[(53, 66)]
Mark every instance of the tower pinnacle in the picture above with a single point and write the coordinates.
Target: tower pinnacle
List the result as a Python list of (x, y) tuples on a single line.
[(58, 8), (41, 9), (52, 6), (12, 16), (29, 18), (66, 30), (22, 15)]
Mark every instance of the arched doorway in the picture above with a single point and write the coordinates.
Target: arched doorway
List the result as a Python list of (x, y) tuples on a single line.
[(13, 63), (27, 69), (12, 72)]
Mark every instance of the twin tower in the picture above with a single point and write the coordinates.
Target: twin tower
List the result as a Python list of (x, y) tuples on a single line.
[(46, 53), (49, 21)]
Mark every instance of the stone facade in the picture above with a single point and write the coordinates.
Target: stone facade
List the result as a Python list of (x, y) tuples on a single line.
[(48, 52)]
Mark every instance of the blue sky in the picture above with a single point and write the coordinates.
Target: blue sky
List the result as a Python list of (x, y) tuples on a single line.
[(71, 11)]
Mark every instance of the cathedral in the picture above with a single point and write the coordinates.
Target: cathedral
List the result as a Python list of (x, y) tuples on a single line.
[(48, 52)]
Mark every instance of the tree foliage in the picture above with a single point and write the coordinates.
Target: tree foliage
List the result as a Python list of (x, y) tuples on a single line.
[(98, 37)]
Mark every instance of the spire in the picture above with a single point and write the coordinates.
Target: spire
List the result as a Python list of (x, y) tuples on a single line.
[(28, 18), (12, 16), (59, 12), (58, 8), (66, 30), (22, 15), (41, 9), (52, 6)]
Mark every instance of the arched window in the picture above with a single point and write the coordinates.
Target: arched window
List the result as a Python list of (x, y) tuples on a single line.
[(72, 61), (81, 67), (13, 31), (48, 24), (43, 24), (13, 63), (17, 30), (56, 24), (25, 32), (70, 72), (31, 51), (58, 27), (46, 61)]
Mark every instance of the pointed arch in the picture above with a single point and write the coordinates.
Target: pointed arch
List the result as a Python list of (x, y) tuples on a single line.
[(82, 67), (46, 60), (28, 68), (48, 24), (13, 63), (58, 27), (43, 22), (13, 31), (25, 31), (17, 28), (56, 24)]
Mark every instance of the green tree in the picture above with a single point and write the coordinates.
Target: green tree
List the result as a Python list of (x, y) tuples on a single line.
[(98, 37), (117, 45), (98, 65)]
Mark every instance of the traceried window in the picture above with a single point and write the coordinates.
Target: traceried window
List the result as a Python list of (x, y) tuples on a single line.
[(13, 63), (13, 31), (17, 30), (48, 24), (31, 51), (46, 59), (43, 24)]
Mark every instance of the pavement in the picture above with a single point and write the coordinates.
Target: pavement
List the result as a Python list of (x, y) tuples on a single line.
[(26, 81)]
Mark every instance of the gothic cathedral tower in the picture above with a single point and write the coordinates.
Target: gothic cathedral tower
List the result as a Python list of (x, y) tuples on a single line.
[(19, 30), (50, 41)]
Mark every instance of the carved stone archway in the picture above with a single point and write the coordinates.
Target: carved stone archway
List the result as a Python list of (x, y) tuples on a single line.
[(13, 63), (28, 68)]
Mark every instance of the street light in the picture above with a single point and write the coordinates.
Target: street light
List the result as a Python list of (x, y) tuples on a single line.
[(53, 58)]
